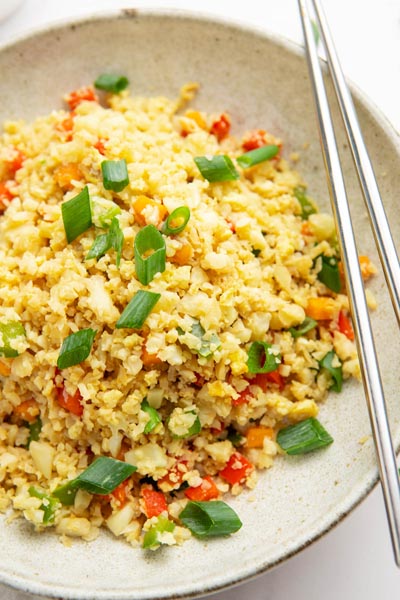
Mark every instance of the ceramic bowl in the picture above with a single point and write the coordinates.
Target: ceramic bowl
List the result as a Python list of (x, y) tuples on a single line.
[(262, 82)]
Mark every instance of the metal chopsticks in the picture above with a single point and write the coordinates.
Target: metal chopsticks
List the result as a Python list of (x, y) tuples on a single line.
[(340, 207)]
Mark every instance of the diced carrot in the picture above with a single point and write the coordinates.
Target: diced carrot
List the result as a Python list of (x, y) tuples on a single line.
[(182, 255), (70, 403), (207, 490), (154, 502), (264, 380), (66, 174), (237, 469), (173, 479), (305, 228), (255, 436), (27, 410), (254, 139), (5, 195), (321, 309), (143, 202), (80, 95), (366, 266), (150, 360), (221, 127), (244, 398), (5, 369), (345, 325), (100, 145)]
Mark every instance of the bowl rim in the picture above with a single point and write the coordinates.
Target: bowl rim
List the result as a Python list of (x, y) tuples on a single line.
[(205, 16)]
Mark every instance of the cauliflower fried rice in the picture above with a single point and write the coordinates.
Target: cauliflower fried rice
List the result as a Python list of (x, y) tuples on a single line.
[(178, 397)]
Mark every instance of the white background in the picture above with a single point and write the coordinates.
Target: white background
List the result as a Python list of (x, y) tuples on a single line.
[(353, 561)]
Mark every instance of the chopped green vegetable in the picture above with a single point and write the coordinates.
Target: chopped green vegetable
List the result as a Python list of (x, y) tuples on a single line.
[(234, 437), (152, 537), (176, 221), (154, 417), (138, 309), (77, 215), (217, 168), (259, 155), (111, 83), (256, 252), (329, 273), (303, 437), (103, 211), (210, 519), (208, 343), (303, 328), (150, 254), (48, 506), (76, 348), (34, 431), (336, 372), (9, 332), (114, 238), (307, 207), (115, 174), (261, 359), (101, 477), (194, 429)]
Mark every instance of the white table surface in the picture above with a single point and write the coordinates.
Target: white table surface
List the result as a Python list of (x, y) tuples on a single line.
[(354, 561)]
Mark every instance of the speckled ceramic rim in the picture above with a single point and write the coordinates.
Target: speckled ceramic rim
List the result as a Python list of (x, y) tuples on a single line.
[(43, 589)]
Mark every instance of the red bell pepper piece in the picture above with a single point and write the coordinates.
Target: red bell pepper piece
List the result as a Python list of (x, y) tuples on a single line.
[(263, 380), (207, 490), (68, 402), (256, 139), (345, 325), (236, 469), (221, 127), (154, 502), (77, 96)]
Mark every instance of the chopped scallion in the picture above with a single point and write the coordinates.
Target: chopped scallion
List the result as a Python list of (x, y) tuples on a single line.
[(101, 477), (150, 253), (34, 431), (138, 309), (115, 174), (210, 519), (48, 506), (176, 221), (336, 372), (111, 83), (76, 348), (329, 273), (154, 417), (303, 328), (261, 359), (307, 207), (217, 168), (76, 215), (256, 252), (114, 238), (209, 343), (9, 333), (303, 437), (152, 538), (259, 155)]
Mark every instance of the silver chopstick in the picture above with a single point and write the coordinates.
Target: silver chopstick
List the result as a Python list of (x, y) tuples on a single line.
[(379, 222), (362, 325)]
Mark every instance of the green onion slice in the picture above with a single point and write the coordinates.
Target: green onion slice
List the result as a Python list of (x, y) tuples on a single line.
[(76, 215), (101, 477), (217, 168), (115, 174), (151, 537), (261, 359), (336, 372), (9, 332), (329, 273), (256, 252), (303, 328), (103, 211), (234, 436), (154, 417), (76, 348), (111, 83), (48, 506), (210, 519), (303, 437), (138, 309), (114, 238), (209, 343), (307, 207), (150, 253), (259, 155), (176, 221), (34, 431)]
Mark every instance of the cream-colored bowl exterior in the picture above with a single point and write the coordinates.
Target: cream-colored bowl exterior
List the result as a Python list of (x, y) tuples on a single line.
[(261, 82)]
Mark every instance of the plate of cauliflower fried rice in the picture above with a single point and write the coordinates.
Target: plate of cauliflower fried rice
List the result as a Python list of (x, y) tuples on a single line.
[(180, 389)]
